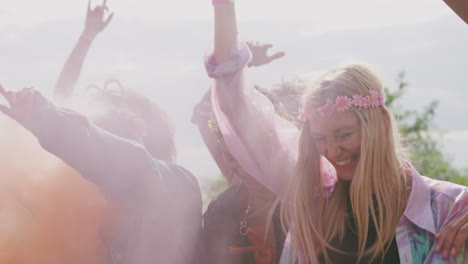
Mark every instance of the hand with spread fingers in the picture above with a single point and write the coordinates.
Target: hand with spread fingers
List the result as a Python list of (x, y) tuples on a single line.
[(25, 105), (260, 54), (95, 21), (452, 237)]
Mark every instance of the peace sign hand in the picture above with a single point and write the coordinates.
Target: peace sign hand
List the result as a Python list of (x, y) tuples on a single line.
[(260, 54), (95, 21), (26, 105)]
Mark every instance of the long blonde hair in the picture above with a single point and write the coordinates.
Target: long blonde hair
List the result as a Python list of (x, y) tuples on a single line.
[(378, 190)]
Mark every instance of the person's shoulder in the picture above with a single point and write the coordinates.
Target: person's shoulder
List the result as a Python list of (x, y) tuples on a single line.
[(226, 200), (173, 169), (222, 207), (229, 195), (446, 190), (447, 200), (175, 175)]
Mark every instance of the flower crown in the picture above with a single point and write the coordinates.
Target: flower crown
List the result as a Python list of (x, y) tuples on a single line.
[(343, 103)]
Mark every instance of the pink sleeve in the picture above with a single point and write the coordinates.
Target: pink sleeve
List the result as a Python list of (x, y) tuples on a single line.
[(263, 143)]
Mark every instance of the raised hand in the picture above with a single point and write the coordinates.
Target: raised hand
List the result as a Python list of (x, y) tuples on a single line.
[(260, 54), (95, 21), (25, 105)]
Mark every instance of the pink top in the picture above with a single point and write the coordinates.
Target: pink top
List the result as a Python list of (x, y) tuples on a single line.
[(263, 143)]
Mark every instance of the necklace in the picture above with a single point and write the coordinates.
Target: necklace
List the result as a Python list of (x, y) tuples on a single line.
[(243, 223)]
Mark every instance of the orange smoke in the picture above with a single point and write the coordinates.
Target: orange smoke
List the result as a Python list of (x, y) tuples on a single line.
[(48, 212)]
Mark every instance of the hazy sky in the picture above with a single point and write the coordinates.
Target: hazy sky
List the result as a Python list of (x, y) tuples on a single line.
[(325, 14), (157, 48)]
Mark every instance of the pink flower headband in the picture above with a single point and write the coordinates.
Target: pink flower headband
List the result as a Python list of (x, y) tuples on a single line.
[(343, 103)]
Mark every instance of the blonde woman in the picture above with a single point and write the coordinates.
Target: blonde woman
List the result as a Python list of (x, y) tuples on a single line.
[(380, 209), (352, 198)]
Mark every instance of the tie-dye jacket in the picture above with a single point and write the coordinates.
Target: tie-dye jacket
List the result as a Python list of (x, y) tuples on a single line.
[(265, 145)]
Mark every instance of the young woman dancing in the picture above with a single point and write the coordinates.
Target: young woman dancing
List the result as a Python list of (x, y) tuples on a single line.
[(348, 194)]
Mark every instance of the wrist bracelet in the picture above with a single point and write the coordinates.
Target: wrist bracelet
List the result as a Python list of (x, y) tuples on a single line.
[(222, 1), (85, 39)]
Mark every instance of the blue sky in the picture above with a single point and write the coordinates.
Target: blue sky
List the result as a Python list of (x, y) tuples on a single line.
[(157, 47)]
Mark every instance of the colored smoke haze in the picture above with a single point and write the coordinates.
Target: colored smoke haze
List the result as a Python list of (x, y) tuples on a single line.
[(49, 213)]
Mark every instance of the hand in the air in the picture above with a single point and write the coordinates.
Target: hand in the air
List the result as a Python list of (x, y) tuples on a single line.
[(260, 54), (95, 21), (25, 105)]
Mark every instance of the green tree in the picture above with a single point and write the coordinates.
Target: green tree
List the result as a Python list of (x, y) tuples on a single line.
[(419, 133)]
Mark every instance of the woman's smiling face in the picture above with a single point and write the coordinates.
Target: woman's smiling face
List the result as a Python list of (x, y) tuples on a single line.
[(338, 138)]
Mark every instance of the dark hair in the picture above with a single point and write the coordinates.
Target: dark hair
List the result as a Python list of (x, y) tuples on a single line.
[(133, 116), (286, 98)]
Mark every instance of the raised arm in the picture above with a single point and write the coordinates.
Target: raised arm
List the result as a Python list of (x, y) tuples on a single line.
[(261, 142), (203, 115), (225, 29), (95, 23), (115, 164)]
